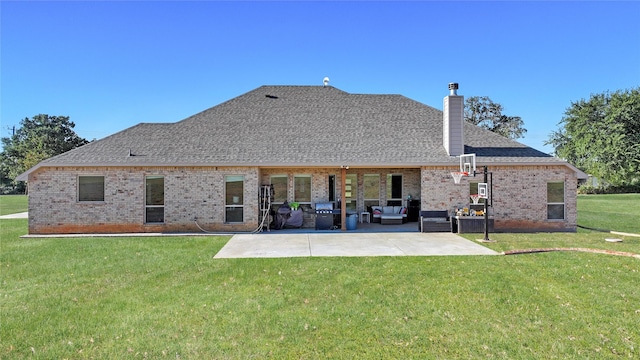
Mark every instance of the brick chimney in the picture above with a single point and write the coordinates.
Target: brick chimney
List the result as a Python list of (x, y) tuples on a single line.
[(453, 122)]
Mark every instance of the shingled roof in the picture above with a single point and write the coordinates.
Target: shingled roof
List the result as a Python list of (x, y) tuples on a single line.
[(294, 126)]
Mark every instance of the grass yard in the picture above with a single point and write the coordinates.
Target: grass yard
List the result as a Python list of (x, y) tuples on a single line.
[(166, 297), (619, 212), (11, 204)]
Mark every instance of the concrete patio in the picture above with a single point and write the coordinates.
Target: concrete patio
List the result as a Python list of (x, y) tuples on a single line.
[(280, 244)]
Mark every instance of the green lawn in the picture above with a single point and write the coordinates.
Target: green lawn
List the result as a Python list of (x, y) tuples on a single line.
[(166, 297), (619, 212), (11, 204)]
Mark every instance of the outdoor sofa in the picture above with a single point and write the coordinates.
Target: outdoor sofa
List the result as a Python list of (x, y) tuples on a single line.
[(434, 221), (389, 214)]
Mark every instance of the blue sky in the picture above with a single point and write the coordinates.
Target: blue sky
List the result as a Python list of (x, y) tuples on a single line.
[(110, 65)]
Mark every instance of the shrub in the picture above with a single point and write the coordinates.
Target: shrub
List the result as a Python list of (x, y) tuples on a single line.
[(609, 189), (18, 188)]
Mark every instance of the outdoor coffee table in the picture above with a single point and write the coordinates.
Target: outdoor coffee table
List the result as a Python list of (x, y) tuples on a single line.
[(391, 219)]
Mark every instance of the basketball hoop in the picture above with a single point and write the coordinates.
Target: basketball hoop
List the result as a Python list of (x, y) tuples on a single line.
[(457, 175), (475, 198), (468, 163), (483, 190)]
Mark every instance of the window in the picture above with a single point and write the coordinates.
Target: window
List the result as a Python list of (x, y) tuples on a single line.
[(234, 198), (371, 186), (154, 199), (302, 188), (302, 191), (90, 188), (280, 189), (351, 192), (555, 201), (394, 187)]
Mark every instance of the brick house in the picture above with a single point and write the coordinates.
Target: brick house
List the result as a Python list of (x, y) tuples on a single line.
[(307, 141)]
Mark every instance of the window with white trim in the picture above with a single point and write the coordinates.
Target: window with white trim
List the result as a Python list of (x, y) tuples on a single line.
[(234, 198), (371, 185), (154, 199), (351, 192), (302, 191), (280, 185), (555, 200), (90, 188)]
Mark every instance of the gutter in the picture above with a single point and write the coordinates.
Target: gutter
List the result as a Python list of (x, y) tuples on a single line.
[(25, 176)]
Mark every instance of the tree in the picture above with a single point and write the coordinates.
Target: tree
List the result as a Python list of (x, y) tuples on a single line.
[(482, 111), (37, 139), (601, 136)]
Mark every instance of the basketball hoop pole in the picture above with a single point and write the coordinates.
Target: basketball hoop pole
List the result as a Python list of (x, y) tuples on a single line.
[(486, 203), (467, 165), (486, 210)]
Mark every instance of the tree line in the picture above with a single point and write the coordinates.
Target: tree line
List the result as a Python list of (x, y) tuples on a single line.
[(601, 136), (38, 138)]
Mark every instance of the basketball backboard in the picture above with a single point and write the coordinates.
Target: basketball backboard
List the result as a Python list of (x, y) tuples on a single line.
[(483, 190), (468, 163)]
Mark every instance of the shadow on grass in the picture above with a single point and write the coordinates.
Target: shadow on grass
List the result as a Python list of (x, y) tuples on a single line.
[(608, 231)]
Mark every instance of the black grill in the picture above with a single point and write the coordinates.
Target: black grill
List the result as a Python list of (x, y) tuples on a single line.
[(324, 216)]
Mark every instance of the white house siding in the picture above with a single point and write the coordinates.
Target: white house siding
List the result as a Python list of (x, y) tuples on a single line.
[(519, 195)]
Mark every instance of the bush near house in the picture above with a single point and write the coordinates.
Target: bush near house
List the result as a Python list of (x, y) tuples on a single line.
[(10, 188), (609, 189)]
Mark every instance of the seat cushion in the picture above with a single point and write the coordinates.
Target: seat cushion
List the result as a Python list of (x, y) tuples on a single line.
[(434, 219)]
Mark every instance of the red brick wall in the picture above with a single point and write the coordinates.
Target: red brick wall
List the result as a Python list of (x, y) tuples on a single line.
[(190, 192), (519, 195)]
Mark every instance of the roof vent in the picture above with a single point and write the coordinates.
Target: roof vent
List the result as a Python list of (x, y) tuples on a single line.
[(325, 81), (453, 88), (271, 96)]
